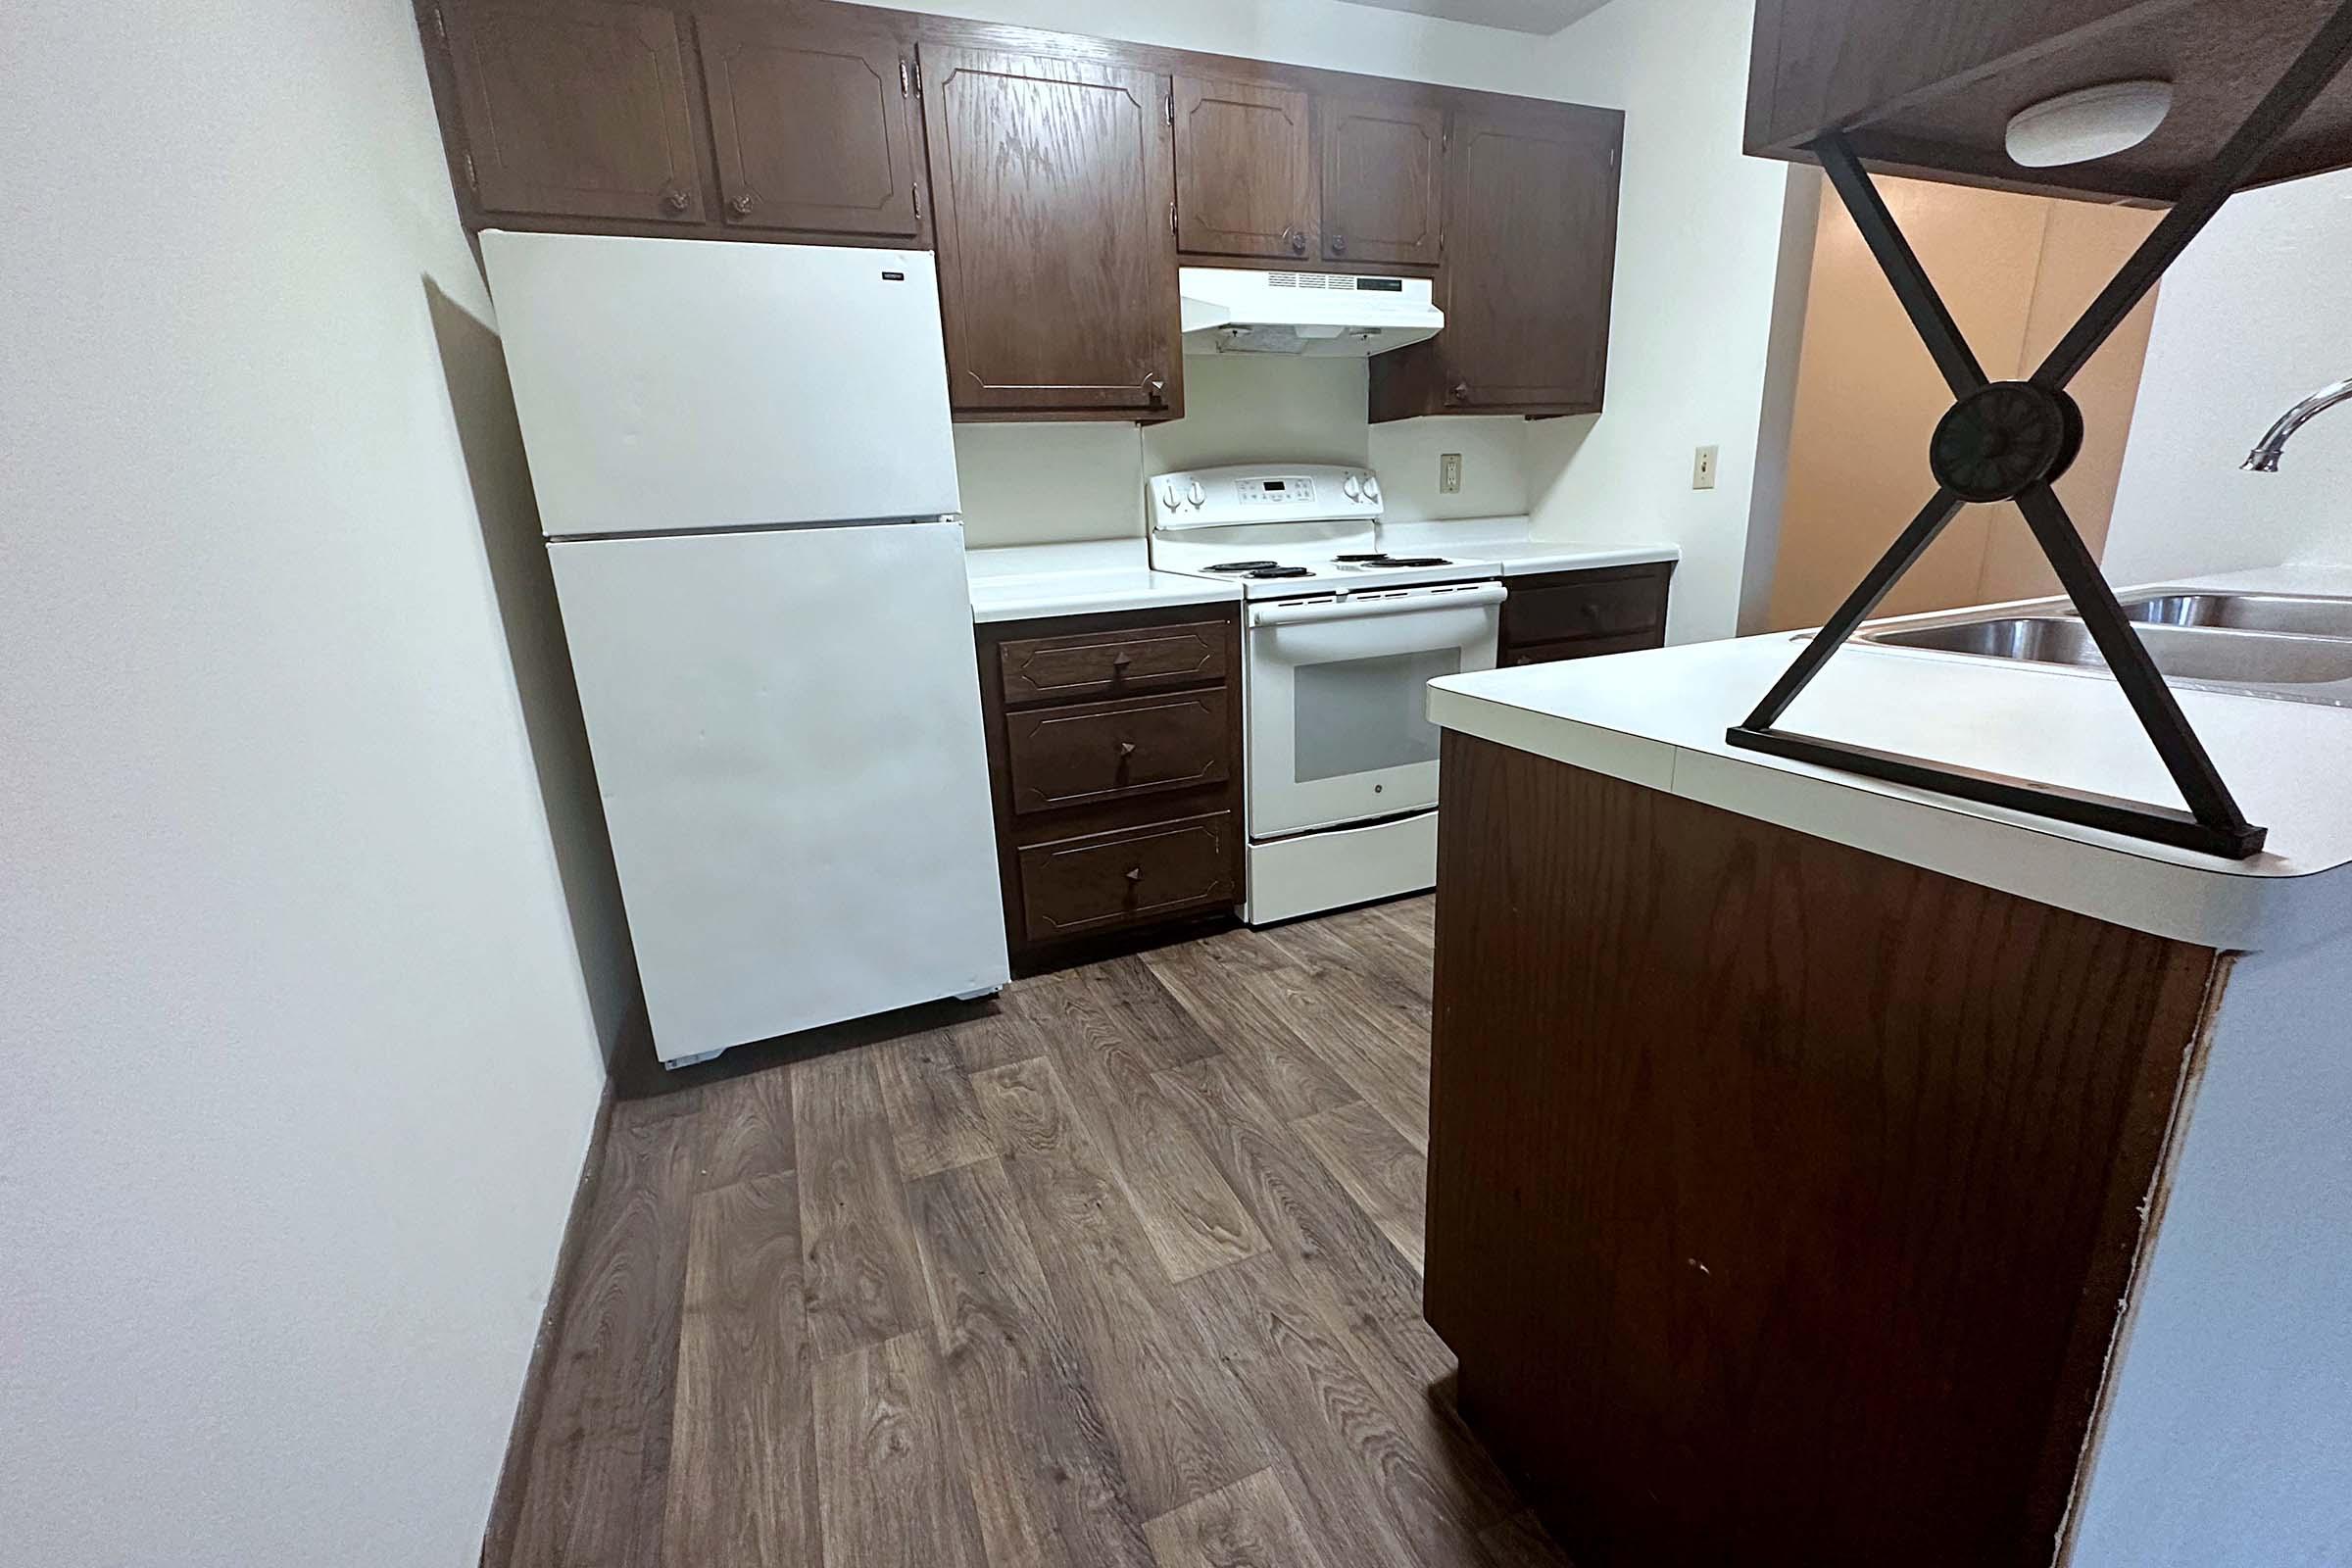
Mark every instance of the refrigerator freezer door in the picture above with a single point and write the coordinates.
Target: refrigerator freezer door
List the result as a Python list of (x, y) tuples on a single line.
[(670, 384), (785, 728)]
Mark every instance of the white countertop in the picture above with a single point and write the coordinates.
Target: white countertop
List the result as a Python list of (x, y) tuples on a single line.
[(1657, 718), (1506, 540), (1023, 582)]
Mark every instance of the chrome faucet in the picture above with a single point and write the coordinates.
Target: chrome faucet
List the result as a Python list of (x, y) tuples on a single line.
[(2264, 459)]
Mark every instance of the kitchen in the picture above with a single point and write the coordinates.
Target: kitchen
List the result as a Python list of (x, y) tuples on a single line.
[(1047, 561)]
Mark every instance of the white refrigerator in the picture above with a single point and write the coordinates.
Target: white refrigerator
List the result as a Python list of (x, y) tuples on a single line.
[(744, 466)]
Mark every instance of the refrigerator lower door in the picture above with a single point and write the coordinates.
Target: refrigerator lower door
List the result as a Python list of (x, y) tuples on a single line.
[(785, 728)]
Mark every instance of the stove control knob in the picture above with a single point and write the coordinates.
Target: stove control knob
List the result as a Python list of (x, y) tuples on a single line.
[(1371, 488), (1198, 495), (1167, 496), (1350, 489)]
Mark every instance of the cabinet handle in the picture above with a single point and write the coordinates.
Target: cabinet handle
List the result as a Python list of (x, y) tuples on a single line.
[(1339, 244), (676, 200), (1135, 873), (1296, 239), (743, 203)]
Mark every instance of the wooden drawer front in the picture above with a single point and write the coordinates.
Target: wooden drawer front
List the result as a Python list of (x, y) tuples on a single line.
[(1110, 663), (1128, 877), (1106, 751), (1602, 605), (1516, 653)]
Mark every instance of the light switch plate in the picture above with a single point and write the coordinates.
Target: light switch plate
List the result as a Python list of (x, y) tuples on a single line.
[(1702, 469), (1449, 473)]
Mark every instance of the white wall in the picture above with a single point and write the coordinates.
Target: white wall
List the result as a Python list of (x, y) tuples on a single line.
[(1703, 330), (1704, 236), (300, 1061), (2257, 313)]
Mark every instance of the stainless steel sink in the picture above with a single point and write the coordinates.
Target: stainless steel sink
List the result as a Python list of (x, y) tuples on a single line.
[(2215, 654), (2301, 615)]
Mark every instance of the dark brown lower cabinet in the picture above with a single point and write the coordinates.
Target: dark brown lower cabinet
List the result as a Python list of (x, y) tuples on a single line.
[(1114, 753), (1783, 1199), (1582, 615)]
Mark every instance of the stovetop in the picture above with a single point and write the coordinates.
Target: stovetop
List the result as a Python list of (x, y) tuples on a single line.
[(1288, 531)]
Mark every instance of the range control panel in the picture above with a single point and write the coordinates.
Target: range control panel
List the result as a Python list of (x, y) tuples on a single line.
[(1210, 498)]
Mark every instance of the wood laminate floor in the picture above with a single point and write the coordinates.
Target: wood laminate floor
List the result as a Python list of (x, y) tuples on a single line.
[(1120, 1269)]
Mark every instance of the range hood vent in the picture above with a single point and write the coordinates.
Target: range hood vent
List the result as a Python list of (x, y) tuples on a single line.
[(1325, 315)]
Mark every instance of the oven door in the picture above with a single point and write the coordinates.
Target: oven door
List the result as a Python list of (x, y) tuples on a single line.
[(1338, 729)]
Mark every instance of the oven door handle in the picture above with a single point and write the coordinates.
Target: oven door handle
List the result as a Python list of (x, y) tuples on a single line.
[(1300, 614)]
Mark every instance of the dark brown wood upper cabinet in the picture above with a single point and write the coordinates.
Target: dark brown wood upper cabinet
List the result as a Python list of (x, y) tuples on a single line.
[(1245, 171), (575, 109), (1054, 190), (1382, 171), (815, 126), (1534, 226)]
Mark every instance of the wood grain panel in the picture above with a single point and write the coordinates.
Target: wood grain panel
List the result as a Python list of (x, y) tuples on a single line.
[(888, 1450), (864, 1282), (1046, 1472), (1251, 1524), (746, 1125), (1053, 181), (1807, 1180), (1132, 876), (1253, 1036), (1245, 169), (743, 1462), (1375, 1041), (813, 125), (1085, 753), (1616, 603), (576, 108), (1181, 1428), (1384, 171), (927, 1095)]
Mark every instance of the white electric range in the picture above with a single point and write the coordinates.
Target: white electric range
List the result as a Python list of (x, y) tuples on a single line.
[(1340, 641)]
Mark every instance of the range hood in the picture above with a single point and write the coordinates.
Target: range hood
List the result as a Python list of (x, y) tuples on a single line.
[(1329, 315)]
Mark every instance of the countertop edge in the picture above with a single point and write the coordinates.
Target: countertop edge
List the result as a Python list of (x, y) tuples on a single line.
[(2181, 902)]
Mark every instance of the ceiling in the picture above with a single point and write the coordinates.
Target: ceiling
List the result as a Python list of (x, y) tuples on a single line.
[(1519, 16)]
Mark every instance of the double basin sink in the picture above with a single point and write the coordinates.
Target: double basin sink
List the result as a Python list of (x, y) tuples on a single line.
[(2294, 647)]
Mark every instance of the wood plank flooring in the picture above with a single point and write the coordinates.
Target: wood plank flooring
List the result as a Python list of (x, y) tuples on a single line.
[(1120, 1270)]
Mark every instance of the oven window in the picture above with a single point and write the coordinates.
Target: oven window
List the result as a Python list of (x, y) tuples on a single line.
[(1360, 716)]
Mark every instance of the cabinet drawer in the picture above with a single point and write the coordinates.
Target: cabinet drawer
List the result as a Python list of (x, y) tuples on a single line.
[(1108, 751), (1614, 605), (1128, 877), (1515, 655), (1112, 663)]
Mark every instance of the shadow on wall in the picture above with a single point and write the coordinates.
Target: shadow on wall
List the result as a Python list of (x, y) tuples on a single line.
[(482, 403)]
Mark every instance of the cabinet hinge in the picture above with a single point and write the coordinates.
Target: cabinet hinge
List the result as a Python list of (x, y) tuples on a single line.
[(1169, 103), (1172, 217), (906, 80), (918, 201), (473, 181), (440, 25), (1612, 157)]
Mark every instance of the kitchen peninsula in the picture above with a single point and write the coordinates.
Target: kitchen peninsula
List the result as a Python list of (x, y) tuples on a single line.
[(1822, 1170)]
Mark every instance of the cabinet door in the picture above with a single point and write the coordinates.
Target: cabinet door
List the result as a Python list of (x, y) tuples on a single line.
[(815, 126), (1534, 226), (1383, 165), (1245, 169), (577, 110), (1053, 186)]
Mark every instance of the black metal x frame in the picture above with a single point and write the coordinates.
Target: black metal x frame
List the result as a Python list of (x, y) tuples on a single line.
[(2213, 823)]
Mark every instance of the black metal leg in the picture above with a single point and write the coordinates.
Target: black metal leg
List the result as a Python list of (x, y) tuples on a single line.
[(2184, 756), (1901, 265), (1907, 547), (2313, 69)]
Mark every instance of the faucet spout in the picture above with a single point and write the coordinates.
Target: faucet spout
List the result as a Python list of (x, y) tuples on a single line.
[(2264, 459)]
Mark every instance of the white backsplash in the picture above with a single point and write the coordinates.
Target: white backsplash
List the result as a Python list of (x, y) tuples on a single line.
[(1029, 484)]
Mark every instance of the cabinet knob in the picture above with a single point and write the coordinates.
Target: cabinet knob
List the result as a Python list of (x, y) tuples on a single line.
[(1339, 244), (1296, 239), (1122, 660), (1459, 392), (1126, 749), (741, 205), (1135, 873), (676, 200), (1156, 385)]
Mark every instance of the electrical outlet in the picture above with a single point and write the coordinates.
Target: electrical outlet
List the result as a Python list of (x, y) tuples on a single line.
[(1702, 469), (1449, 473)]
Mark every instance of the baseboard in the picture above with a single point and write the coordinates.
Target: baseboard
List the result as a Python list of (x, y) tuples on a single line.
[(506, 1503)]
